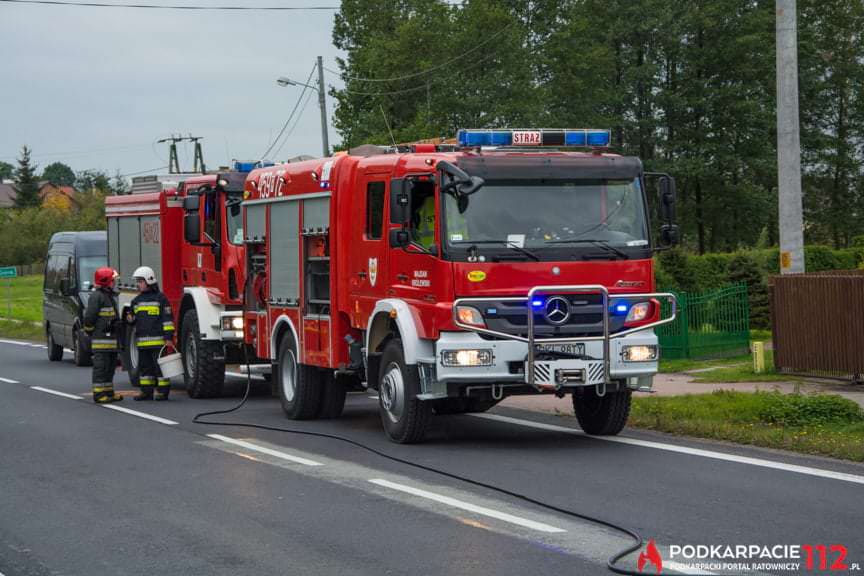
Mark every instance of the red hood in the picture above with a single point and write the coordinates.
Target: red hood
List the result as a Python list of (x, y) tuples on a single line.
[(516, 278)]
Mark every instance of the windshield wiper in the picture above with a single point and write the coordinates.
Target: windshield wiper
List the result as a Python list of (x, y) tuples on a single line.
[(596, 242), (508, 243)]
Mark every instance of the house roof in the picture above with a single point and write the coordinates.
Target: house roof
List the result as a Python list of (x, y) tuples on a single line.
[(7, 195)]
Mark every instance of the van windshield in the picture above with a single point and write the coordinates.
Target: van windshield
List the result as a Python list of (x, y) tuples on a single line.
[(87, 266)]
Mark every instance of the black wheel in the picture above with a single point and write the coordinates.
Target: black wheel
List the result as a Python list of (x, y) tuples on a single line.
[(333, 392), (55, 351), (81, 349), (602, 416), (405, 418), (203, 360), (129, 356), (299, 384)]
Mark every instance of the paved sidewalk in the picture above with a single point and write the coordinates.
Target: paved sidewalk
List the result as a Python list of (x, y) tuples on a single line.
[(680, 384)]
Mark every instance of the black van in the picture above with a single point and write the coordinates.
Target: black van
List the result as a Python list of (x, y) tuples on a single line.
[(72, 259)]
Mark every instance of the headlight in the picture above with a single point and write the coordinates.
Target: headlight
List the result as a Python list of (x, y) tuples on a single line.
[(466, 358), (232, 323), (639, 353), (638, 312), (471, 316)]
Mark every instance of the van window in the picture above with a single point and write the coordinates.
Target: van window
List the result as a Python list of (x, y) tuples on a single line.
[(87, 266), (374, 210)]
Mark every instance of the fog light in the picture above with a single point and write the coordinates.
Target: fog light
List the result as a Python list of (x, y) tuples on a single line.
[(466, 358), (639, 353)]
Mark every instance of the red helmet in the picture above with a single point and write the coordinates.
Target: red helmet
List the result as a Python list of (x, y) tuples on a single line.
[(104, 277)]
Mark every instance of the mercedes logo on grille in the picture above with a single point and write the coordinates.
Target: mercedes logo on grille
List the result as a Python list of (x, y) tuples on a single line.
[(557, 310)]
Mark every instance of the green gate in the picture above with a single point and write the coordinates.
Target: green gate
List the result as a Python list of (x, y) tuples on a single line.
[(713, 324)]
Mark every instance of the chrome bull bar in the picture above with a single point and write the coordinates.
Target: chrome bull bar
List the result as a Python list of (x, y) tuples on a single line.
[(568, 289)]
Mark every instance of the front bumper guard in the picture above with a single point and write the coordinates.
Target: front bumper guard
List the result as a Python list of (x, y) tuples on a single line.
[(592, 373)]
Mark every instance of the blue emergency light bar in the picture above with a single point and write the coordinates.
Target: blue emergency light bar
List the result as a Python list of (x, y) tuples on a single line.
[(251, 165), (582, 137)]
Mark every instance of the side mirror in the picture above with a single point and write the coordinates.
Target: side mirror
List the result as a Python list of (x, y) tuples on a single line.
[(399, 238), (192, 228), (400, 201), (668, 198), (669, 234)]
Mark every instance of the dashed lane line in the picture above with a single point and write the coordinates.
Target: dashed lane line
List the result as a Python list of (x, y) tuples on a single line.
[(140, 414), (819, 472), (468, 507), (56, 393), (9, 381), (263, 450)]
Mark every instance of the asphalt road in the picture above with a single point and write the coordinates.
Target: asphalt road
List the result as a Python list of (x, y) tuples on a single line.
[(87, 490)]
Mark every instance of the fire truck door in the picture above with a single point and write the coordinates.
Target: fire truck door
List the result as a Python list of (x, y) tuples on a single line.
[(413, 269), (207, 261), (368, 280)]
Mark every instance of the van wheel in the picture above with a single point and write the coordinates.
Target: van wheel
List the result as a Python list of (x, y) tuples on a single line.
[(203, 373), (55, 351), (129, 356), (298, 384), (333, 392), (80, 349), (602, 416), (405, 418)]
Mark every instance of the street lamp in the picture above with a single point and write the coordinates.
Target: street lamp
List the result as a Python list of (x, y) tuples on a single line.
[(283, 81)]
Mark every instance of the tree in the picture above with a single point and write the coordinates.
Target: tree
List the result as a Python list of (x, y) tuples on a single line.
[(59, 174), (87, 180), (26, 184), (6, 171)]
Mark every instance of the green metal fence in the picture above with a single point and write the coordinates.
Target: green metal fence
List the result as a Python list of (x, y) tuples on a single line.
[(713, 324)]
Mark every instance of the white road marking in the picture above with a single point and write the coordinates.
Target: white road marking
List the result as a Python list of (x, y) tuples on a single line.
[(56, 393), (16, 342), (524, 522), (139, 414), (243, 375), (684, 450), (8, 381), (263, 450)]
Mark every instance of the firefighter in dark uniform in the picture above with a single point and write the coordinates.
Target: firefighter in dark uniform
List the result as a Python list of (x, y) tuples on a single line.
[(101, 324), (154, 327)]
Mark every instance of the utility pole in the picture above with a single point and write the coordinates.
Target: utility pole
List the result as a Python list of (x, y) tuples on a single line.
[(788, 141), (173, 160), (323, 103)]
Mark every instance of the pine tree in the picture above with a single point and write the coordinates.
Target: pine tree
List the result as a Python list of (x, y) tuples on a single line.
[(26, 184)]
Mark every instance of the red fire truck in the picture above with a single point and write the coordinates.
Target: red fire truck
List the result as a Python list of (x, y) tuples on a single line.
[(190, 233), (449, 277)]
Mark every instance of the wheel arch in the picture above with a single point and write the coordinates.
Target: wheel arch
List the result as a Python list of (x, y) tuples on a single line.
[(393, 317), (283, 325)]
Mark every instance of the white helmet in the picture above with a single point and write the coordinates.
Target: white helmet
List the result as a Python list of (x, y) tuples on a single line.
[(145, 273)]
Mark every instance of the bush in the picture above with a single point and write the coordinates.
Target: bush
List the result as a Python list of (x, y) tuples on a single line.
[(743, 268), (809, 410)]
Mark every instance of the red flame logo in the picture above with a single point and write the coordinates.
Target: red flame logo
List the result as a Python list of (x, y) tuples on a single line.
[(651, 555)]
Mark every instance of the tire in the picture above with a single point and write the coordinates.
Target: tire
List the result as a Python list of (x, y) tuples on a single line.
[(55, 351), (405, 418), (80, 349), (129, 356), (298, 384), (203, 360), (602, 416), (333, 392)]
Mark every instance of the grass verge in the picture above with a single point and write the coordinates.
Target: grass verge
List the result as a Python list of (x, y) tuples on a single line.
[(26, 298), (823, 424), (21, 331)]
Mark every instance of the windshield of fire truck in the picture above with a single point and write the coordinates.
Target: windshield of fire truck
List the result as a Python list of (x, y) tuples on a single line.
[(548, 214), (234, 220)]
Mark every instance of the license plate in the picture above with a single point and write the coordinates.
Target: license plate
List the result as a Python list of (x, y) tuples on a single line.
[(574, 349)]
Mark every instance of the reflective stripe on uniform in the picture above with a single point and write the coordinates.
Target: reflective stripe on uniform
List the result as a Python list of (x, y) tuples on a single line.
[(103, 344), (150, 342), (167, 326), (146, 381), (107, 312), (163, 382), (149, 310)]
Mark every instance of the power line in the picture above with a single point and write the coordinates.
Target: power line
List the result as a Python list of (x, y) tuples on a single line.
[(169, 7), (428, 70), (290, 116), (141, 172), (296, 121), (79, 152)]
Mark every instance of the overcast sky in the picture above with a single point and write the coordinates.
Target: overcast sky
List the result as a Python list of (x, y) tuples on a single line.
[(96, 87)]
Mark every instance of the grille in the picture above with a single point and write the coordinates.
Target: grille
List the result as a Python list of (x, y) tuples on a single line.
[(586, 317)]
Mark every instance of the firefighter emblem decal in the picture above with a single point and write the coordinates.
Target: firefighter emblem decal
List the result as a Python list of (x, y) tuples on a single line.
[(373, 270)]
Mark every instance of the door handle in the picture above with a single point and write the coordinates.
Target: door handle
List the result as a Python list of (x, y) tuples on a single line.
[(402, 277), (362, 274)]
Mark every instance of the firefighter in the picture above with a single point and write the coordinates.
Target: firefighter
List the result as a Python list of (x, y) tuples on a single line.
[(154, 327), (101, 324), (424, 222)]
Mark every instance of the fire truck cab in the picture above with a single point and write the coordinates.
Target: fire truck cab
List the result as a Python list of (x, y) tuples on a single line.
[(447, 278), (190, 233)]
